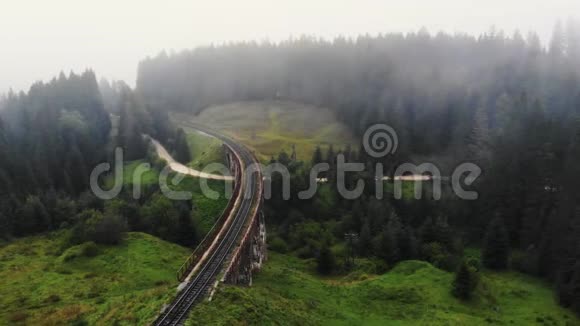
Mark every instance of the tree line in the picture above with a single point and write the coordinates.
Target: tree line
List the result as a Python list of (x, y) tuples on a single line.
[(507, 103), (52, 137)]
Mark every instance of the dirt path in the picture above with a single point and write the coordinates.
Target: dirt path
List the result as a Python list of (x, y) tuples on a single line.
[(180, 168)]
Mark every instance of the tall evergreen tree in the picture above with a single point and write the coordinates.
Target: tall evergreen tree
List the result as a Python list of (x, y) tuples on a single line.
[(558, 42), (388, 247), (317, 157), (182, 153), (326, 261), (465, 282), (76, 170), (187, 232), (130, 136), (33, 217), (496, 247), (365, 240), (480, 139)]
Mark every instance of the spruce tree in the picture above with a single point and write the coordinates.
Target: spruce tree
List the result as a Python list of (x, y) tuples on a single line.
[(388, 248), (558, 42), (496, 246), (408, 245), (574, 289), (331, 160), (33, 217), (331, 156), (78, 172), (182, 153), (465, 282), (326, 261), (317, 156), (187, 234), (5, 226), (130, 133), (283, 158), (364, 243), (480, 138)]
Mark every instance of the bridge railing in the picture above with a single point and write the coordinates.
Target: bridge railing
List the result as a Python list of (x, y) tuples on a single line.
[(229, 272), (197, 254)]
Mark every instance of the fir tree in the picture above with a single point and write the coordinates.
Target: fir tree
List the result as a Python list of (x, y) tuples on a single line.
[(388, 247), (187, 233), (465, 282), (182, 153), (365, 240), (331, 156), (480, 138), (326, 261), (317, 156), (408, 245), (496, 246)]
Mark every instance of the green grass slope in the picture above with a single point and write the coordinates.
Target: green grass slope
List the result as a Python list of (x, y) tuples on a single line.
[(131, 169), (207, 210), (272, 126), (126, 284), (287, 292), (204, 149)]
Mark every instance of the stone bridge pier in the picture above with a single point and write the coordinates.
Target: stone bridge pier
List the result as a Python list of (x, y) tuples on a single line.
[(230, 159), (250, 255)]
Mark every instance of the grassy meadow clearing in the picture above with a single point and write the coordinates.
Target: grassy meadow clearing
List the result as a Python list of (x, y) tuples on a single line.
[(272, 126)]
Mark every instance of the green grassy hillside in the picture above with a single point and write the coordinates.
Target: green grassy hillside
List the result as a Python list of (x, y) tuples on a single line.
[(207, 209), (127, 284), (204, 149), (272, 126), (287, 292), (148, 176)]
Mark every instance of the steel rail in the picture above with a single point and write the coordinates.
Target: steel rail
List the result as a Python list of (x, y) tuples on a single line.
[(177, 312)]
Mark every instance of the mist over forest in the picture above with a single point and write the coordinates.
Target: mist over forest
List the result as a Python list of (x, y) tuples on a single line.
[(508, 103), (417, 79)]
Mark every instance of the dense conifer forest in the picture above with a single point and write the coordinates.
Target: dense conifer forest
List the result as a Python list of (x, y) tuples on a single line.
[(52, 137), (506, 103)]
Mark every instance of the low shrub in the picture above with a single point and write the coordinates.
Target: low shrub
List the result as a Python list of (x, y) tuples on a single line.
[(278, 244), (18, 317), (89, 249), (53, 298)]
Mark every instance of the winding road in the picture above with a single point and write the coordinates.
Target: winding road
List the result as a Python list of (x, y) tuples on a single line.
[(183, 169), (205, 276)]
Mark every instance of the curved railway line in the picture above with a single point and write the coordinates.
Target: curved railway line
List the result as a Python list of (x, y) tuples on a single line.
[(206, 276)]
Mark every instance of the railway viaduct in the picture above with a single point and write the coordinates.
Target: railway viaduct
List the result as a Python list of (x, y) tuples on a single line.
[(235, 248)]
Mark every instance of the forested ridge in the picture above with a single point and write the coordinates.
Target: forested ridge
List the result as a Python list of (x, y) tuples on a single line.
[(58, 124), (53, 136), (509, 104), (420, 79)]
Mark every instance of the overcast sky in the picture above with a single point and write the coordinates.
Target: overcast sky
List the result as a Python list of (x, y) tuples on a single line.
[(40, 38)]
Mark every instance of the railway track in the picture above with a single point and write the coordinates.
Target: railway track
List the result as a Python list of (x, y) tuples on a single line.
[(198, 287)]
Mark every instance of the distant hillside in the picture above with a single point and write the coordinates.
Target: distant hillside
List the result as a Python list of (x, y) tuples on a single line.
[(272, 126)]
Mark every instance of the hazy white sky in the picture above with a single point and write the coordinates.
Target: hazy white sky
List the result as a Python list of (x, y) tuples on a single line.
[(40, 38)]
